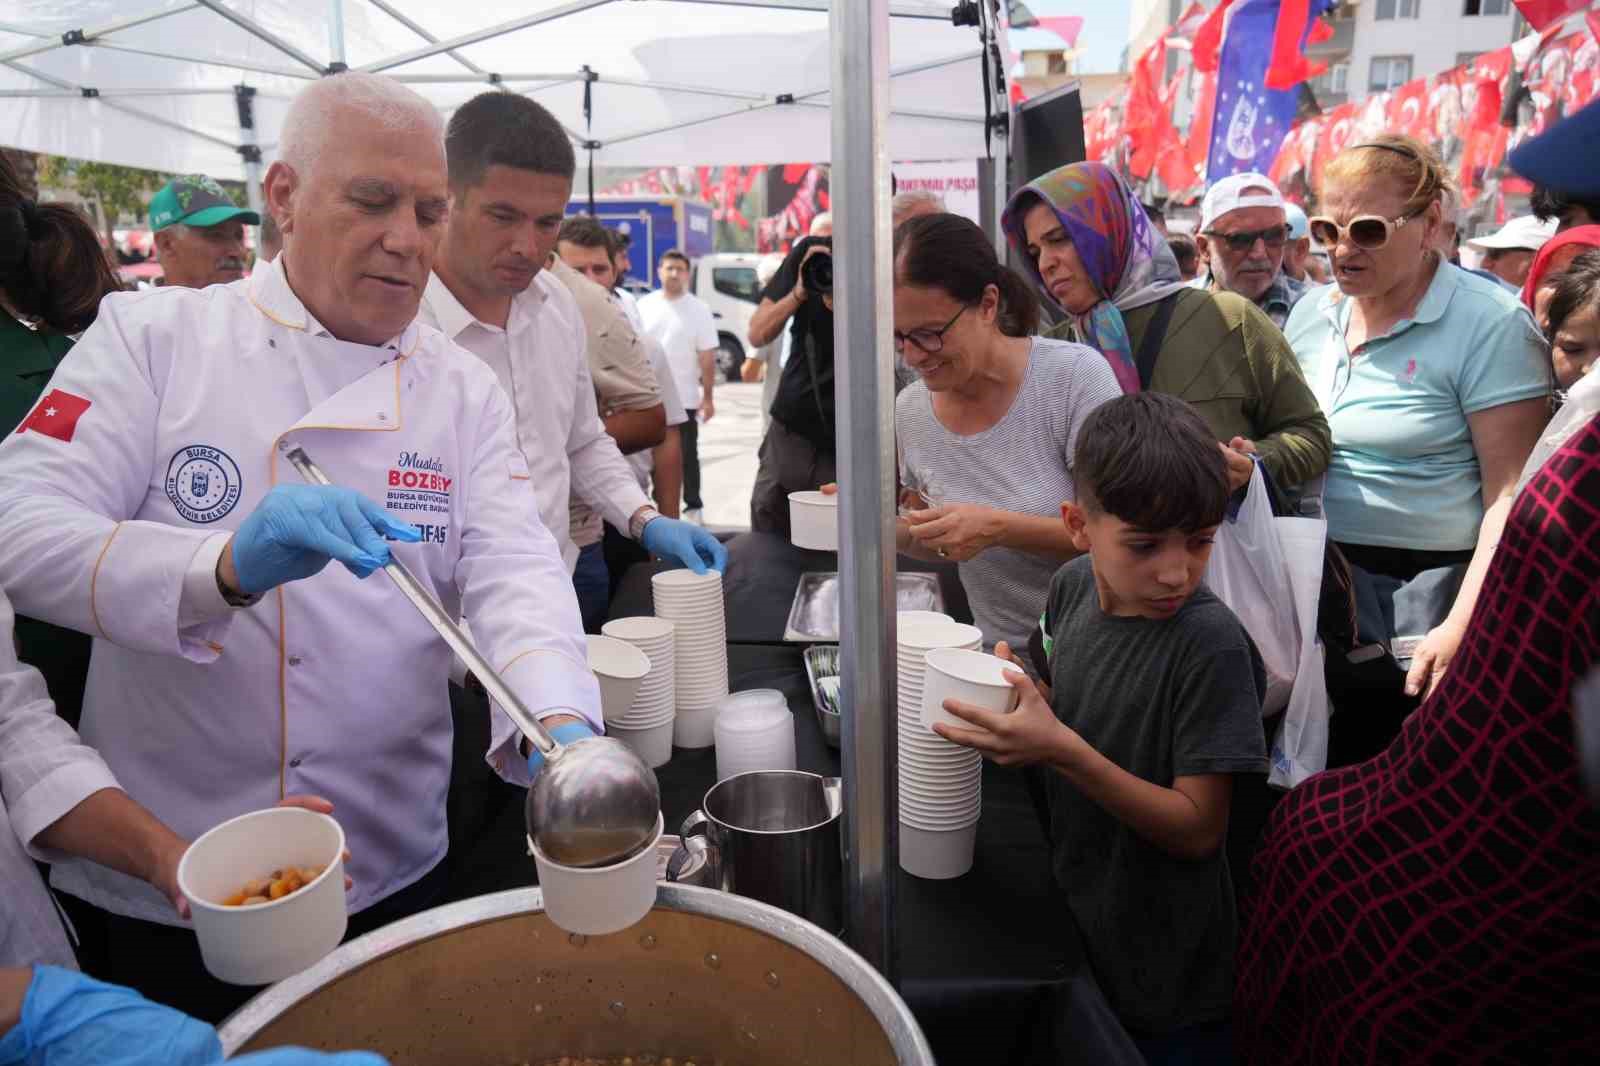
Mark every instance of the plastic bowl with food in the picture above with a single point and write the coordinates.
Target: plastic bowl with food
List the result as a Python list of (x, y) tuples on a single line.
[(246, 941)]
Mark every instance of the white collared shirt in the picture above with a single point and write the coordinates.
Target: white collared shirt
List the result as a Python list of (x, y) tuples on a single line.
[(45, 771), (330, 685), (541, 362)]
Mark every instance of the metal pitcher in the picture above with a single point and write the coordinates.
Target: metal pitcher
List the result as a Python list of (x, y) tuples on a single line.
[(773, 835)]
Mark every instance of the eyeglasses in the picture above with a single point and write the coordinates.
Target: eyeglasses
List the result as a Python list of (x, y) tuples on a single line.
[(1368, 232), (931, 341), (1273, 237)]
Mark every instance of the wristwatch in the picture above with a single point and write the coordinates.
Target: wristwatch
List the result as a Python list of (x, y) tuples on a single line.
[(640, 519), (232, 598)]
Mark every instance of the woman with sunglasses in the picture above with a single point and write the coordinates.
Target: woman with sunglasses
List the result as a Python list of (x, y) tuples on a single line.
[(986, 432), (1092, 252), (1435, 382)]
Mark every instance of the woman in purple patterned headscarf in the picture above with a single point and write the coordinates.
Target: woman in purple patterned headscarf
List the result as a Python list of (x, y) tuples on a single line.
[(1093, 252)]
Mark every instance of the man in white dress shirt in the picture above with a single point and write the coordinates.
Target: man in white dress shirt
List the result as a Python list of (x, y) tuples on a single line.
[(149, 502), (511, 167), (683, 325)]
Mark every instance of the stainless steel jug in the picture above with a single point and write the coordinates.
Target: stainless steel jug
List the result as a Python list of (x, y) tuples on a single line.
[(774, 836)]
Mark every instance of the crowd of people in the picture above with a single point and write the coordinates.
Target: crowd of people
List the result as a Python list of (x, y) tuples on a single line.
[(493, 406)]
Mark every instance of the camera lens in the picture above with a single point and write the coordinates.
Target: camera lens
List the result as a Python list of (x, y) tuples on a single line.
[(817, 274)]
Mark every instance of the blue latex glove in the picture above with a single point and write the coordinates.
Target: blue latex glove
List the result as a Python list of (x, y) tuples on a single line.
[(565, 733), (684, 542), (72, 1020), (296, 529)]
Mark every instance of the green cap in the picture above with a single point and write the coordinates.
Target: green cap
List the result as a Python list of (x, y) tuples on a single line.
[(195, 200)]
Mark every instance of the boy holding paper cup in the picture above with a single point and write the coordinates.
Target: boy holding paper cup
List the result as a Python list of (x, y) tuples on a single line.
[(1153, 704)]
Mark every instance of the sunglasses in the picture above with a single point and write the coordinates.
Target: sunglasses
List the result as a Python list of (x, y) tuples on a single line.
[(931, 341), (1273, 237), (1368, 232)]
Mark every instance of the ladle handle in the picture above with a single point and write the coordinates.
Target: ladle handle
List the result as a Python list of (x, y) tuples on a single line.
[(446, 627)]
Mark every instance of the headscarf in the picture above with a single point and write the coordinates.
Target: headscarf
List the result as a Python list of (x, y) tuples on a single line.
[(1126, 259), (1543, 262)]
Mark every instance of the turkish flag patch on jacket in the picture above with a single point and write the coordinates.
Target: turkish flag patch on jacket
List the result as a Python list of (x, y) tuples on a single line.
[(56, 416)]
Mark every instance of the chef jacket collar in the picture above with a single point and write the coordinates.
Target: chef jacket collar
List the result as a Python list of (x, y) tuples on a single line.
[(273, 297), (454, 318)]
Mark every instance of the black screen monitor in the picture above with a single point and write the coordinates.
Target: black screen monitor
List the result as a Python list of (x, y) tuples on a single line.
[(1049, 134)]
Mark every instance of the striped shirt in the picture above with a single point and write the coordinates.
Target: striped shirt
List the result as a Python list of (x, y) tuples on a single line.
[(1022, 463)]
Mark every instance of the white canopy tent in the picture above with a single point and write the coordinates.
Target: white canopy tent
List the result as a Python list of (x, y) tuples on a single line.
[(154, 83)]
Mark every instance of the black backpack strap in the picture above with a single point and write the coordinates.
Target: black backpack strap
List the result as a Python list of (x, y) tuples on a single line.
[(1154, 335)]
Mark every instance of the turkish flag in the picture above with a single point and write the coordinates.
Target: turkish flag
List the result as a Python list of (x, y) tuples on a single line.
[(1208, 38), (56, 416), (1289, 66), (1541, 13), (1408, 109)]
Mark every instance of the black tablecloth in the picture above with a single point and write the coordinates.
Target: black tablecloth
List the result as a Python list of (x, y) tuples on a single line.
[(989, 962), (759, 584)]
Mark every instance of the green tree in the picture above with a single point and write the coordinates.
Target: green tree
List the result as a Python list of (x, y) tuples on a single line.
[(113, 189)]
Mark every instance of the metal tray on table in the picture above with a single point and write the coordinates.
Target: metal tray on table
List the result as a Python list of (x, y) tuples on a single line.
[(814, 618), (822, 661)]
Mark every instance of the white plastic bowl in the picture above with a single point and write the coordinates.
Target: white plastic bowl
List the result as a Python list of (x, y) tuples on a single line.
[(814, 521), (601, 899), (924, 635), (969, 676), (937, 854), (907, 618), (267, 942)]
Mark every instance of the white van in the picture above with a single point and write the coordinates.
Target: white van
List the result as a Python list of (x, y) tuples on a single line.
[(726, 281)]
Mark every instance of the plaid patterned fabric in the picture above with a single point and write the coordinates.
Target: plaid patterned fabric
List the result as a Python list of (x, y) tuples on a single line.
[(1441, 902)]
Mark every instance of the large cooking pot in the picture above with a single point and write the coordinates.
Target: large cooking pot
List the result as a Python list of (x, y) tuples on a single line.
[(706, 976)]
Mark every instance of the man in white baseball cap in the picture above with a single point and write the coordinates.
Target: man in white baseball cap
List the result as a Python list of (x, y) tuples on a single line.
[(1508, 252), (1242, 236)]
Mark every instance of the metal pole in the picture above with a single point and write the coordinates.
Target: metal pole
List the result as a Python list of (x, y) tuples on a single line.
[(864, 402), (336, 34), (249, 151)]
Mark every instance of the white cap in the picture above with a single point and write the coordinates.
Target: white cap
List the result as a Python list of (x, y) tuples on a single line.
[(1295, 216), (1229, 195), (1524, 231)]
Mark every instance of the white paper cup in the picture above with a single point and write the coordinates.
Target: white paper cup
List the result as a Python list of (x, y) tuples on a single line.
[(814, 521), (937, 854), (267, 942), (969, 676), (651, 743), (600, 899), (640, 629), (620, 668), (925, 635), (694, 728)]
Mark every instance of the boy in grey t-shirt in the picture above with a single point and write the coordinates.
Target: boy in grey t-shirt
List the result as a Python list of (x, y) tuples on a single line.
[(1154, 703)]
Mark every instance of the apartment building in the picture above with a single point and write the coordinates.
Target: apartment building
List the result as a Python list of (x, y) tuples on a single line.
[(1389, 42)]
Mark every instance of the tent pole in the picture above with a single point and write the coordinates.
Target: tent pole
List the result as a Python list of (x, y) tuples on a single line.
[(864, 405), (244, 98), (72, 37), (255, 29), (417, 29), (486, 34), (50, 79), (336, 35)]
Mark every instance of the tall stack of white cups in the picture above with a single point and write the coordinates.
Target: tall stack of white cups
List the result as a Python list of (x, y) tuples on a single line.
[(645, 725), (940, 782), (694, 603)]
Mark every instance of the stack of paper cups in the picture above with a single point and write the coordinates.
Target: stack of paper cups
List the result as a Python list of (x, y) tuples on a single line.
[(940, 782), (646, 724), (694, 603)]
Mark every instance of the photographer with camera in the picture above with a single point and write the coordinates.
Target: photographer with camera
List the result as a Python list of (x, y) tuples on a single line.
[(798, 449)]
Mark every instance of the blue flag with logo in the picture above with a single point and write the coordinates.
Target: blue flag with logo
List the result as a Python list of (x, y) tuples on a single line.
[(1250, 120)]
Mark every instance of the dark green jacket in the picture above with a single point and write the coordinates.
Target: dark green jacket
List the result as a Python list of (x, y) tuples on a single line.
[(1225, 357), (27, 360)]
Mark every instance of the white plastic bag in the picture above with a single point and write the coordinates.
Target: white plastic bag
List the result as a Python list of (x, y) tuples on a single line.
[(1247, 571), (1301, 747)]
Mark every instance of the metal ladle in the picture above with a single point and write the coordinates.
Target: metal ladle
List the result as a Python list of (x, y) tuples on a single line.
[(595, 802)]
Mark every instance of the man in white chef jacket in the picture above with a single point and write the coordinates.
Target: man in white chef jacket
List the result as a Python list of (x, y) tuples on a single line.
[(511, 166), (149, 502)]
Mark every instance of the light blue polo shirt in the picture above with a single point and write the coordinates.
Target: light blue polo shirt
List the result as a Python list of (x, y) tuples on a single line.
[(1404, 473)]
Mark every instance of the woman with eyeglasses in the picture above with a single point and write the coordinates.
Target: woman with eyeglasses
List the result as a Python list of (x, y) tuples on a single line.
[(1436, 383), (1092, 252), (986, 432)]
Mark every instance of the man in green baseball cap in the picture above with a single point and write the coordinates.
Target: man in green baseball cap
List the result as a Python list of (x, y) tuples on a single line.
[(199, 232)]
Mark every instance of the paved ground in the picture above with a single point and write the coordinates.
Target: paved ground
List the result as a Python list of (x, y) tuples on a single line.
[(728, 446)]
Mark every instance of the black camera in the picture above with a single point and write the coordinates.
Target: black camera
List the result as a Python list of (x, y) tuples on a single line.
[(816, 273)]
